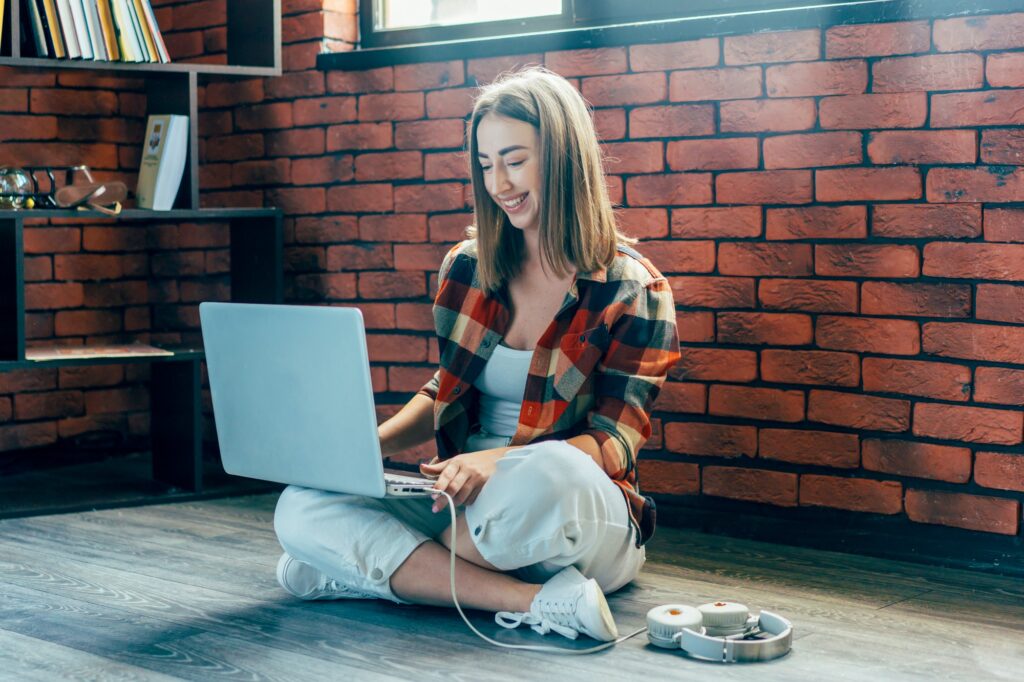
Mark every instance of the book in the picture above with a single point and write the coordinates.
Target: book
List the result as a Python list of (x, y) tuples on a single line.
[(125, 33), (67, 29), (140, 37), (161, 46), (164, 150), (80, 28), (35, 23), (92, 22), (1, 26), (109, 34), (147, 35), (53, 28)]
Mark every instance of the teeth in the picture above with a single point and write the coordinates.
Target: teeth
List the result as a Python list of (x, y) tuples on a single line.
[(514, 202)]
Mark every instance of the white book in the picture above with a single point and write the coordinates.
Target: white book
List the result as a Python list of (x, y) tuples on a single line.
[(164, 150), (165, 58), (92, 20), (130, 42), (81, 30), (67, 29), (140, 39)]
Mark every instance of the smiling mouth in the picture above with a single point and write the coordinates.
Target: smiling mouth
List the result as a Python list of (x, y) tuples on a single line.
[(514, 203)]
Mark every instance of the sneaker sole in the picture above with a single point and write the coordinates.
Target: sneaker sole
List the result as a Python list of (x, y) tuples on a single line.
[(610, 630)]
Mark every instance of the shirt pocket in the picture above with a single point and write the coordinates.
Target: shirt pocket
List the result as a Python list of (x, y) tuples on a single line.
[(578, 355)]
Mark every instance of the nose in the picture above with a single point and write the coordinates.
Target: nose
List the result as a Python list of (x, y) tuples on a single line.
[(499, 179)]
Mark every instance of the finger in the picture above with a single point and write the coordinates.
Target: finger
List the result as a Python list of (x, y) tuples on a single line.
[(446, 477), (460, 487), (450, 484)]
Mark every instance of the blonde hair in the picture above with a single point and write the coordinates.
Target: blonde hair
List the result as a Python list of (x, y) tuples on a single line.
[(577, 224)]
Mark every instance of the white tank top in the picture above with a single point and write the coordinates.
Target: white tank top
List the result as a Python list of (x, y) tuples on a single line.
[(502, 384)]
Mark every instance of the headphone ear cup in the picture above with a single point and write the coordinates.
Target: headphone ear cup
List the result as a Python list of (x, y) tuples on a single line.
[(665, 624), (724, 618)]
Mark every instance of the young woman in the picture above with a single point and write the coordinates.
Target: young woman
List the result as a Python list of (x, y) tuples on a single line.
[(555, 337)]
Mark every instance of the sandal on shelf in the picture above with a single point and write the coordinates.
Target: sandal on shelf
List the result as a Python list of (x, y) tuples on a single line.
[(105, 197)]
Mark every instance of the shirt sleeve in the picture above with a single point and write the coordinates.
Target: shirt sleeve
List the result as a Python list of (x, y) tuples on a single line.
[(644, 346), (430, 388)]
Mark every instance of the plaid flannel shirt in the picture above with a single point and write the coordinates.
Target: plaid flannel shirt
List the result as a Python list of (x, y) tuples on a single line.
[(596, 370)]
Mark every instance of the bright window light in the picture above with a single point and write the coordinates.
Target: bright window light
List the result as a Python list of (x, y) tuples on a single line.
[(417, 13)]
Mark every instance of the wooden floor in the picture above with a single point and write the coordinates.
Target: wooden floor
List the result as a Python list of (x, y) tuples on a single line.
[(187, 591)]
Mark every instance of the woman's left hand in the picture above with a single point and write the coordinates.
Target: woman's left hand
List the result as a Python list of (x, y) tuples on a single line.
[(462, 476)]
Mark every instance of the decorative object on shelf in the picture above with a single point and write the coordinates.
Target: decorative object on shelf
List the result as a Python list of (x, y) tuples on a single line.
[(163, 161), (16, 185), (105, 197)]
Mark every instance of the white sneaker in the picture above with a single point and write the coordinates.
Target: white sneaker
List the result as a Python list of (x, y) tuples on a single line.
[(569, 604), (305, 582)]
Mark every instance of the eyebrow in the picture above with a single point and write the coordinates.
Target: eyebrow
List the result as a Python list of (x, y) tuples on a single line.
[(504, 151)]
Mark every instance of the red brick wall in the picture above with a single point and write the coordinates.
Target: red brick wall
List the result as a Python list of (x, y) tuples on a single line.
[(835, 209)]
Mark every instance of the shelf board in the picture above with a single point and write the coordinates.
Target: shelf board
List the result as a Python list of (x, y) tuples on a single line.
[(143, 214), (130, 68), (178, 354)]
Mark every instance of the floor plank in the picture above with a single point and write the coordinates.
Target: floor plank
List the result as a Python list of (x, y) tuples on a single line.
[(186, 591)]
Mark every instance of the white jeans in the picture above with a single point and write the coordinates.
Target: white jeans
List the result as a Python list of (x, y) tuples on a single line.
[(547, 506)]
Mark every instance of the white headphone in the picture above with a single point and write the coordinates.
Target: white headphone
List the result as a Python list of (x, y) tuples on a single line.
[(719, 631)]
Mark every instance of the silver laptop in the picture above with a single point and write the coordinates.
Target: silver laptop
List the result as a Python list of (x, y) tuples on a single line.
[(292, 398)]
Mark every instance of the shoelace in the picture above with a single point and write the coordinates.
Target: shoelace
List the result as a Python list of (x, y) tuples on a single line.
[(555, 616)]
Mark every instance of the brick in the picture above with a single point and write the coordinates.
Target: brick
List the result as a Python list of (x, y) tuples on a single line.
[(113, 400), (487, 69), (714, 154), (21, 436), (715, 440), (678, 120), (715, 364), (359, 136), (1000, 146), (396, 347), (923, 146), (586, 62), (1005, 69), (672, 189), (925, 220), (444, 196), (359, 257), (713, 292), (57, 404), (98, 103), (878, 39), (810, 367), (853, 494), (669, 478), (323, 110), (813, 150), (88, 267), (858, 411), (637, 88), (998, 470), (974, 261), (752, 485), (323, 170), (360, 198), (808, 295), (234, 147), (432, 134), (973, 424), (757, 258), (915, 300), (446, 166), (277, 115), (932, 72), (233, 93), (449, 227), (1004, 225), (868, 335), (28, 128), (716, 222), (325, 229), (389, 166), (973, 512), (764, 187), (844, 77), (980, 184), (823, 448), (633, 157), (775, 329), (99, 375), (267, 172), (1000, 302), (408, 379), (983, 108), (817, 222), (897, 110), (756, 403), (868, 184), (397, 106), (677, 257), (296, 85), (695, 326), (451, 103), (669, 56), (610, 124), (765, 115), (415, 316), (425, 257), (715, 84), (358, 82), (377, 285), (48, 240), (979, 33), (943, 381), (677, 396), (918, 460), (393, 228), (773, 46), (987, 342), (643, 223), (86, 322), (999, 385), (429, 75)]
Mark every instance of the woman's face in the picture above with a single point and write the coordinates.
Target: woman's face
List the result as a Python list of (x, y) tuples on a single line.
[(509, 155)]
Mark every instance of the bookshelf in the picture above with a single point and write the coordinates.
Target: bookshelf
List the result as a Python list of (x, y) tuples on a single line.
[(256, 242)]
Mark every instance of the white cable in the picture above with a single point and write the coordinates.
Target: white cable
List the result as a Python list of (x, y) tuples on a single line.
[(528, 647)]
